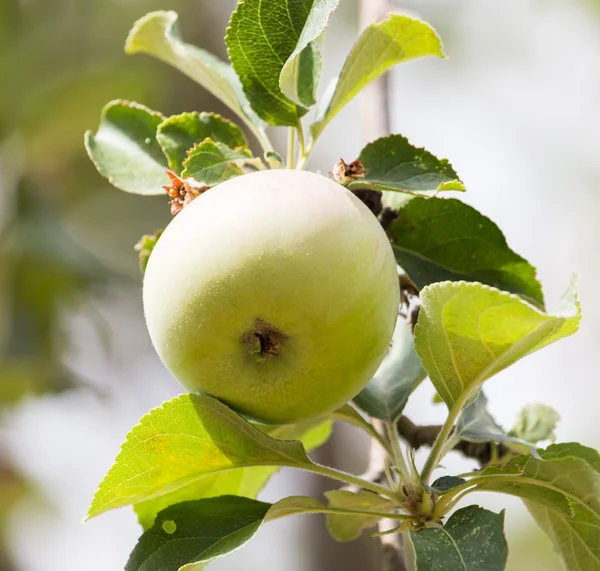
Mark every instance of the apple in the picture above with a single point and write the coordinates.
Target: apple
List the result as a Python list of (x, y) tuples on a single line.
[(275, 292)]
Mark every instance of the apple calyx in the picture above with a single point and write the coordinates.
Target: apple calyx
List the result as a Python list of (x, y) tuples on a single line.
[(182, 191), (263, 341)]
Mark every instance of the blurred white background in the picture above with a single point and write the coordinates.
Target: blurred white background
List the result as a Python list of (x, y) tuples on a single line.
[(515, 108)]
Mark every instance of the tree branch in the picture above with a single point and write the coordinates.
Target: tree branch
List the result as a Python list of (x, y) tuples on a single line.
[(417, 436)]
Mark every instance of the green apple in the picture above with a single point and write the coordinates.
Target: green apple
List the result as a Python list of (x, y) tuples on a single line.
[(276, 292)]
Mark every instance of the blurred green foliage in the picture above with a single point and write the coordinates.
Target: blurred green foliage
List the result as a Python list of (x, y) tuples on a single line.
[(63, 60), (60, 61)]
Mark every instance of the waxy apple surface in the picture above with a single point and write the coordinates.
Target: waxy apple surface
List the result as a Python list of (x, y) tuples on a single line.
[(276, 292)]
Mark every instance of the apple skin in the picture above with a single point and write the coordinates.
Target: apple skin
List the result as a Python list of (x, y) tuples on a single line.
[(276, 292)]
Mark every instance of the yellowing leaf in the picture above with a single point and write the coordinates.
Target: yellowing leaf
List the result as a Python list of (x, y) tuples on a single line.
[(181, 441)]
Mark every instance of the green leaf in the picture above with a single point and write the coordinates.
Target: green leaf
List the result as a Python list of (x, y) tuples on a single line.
[(213, 163), (157, 34), (307, 75), (535, 423), (445, 484), (439, 239), (199, 531), (382, 45), (300, 74), (560, 478), (392, 163), (344, 527), (576, 539), (125, 150), (351, 416), (561, 489), (472, 540), (247, 482), (186, 438), (179, 133), (267, 43), (476, 424), (399, 373), (468, 332), (145, 246), (274, 160)]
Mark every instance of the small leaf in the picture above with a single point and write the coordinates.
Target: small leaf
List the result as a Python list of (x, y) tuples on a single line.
[(145, 246), (399, 373), (439, 239), (535, 423), (344, 527), (446, 483), (125, 150), (471, 540), (392, 163), (157, 34), (268, 44), (299, 76), (199, 531), (468, 332), (247, 482), (274, 160), (307, 75), (181, 441), (350, 415), (382, 45), (476, 424), (179, 133), (213, 163)]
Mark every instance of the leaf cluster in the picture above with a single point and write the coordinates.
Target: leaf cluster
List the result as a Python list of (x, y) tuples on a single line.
[(193, 468)]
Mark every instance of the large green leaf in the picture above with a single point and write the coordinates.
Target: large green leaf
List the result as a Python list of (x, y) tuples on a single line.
[(179, 133), (247, 482), (125, 150), (186, 438), (471, 540), (343, 527), (561, 488), (440, 239), (576, 539), (382, 45), (158, 35), (268, 46), (468, 332), (211, 162), (559, 478), (392, 163), (399, 373), (188, 534)]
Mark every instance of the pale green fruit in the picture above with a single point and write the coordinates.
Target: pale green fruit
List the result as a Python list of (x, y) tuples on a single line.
[(276, 292)]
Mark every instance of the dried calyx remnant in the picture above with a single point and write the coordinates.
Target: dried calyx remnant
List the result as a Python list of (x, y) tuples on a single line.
[(264, 340), (182, 191), (344, 173)]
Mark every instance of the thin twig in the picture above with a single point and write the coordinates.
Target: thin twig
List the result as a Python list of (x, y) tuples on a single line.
[(418, 436)]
